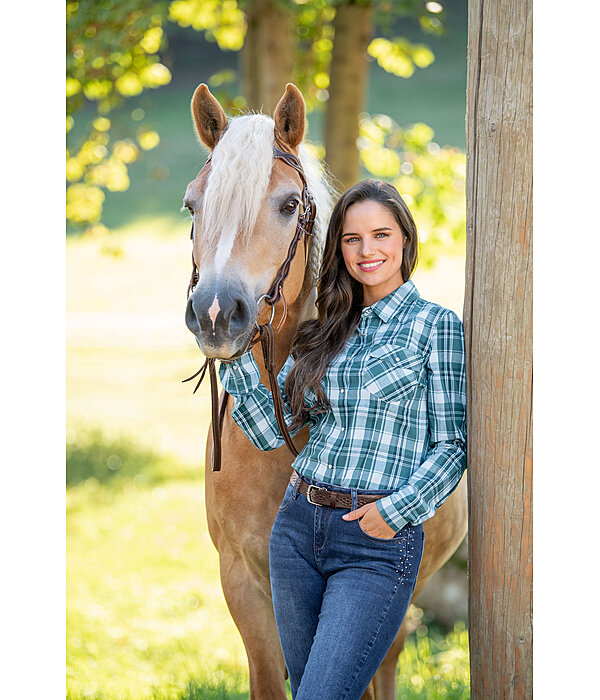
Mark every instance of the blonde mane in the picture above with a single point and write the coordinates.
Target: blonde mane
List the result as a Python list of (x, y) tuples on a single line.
[(240, 171)]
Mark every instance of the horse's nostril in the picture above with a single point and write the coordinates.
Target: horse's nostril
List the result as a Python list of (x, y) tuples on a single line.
[(239, 315), (191, 320)]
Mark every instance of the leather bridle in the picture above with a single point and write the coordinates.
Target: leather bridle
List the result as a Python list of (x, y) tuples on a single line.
[(304, 226)]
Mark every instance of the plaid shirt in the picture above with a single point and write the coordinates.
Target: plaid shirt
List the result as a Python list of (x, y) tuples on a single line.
[(397, 421)]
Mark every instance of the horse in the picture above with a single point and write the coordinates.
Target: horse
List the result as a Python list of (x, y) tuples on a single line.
[(241, 235)]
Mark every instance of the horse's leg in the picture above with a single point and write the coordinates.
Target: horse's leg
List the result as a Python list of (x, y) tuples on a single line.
[(369, 693), (251, 608)]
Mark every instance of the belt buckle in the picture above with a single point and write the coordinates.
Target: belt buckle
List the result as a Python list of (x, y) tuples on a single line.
[(308, 492)]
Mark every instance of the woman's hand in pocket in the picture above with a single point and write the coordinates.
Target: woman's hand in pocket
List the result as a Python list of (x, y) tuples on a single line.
[(371, 521)]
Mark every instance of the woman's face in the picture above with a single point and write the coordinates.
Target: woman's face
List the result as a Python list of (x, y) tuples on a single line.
[(372, 245)]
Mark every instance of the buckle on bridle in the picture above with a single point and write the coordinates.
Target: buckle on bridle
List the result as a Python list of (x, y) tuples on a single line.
[(308, 492)]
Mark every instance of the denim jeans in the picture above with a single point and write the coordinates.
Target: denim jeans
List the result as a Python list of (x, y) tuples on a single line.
[(339, 594)]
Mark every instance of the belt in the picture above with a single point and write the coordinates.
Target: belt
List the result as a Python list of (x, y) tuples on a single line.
[(321, 496)]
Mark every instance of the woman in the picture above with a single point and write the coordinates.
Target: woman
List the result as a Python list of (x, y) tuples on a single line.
[(380, 379)]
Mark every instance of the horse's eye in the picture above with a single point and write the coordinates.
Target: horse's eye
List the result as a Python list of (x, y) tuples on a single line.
[(290, 206), (189, 209)]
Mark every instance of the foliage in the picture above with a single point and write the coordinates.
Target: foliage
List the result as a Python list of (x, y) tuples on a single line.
[(399, 56), (222, 21), (112, 54), (314, 27), (431, 180)]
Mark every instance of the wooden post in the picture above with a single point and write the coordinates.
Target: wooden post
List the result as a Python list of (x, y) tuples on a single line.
[(498, 331)]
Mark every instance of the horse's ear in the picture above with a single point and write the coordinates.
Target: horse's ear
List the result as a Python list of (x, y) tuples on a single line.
[(290, 116), (209, 118)]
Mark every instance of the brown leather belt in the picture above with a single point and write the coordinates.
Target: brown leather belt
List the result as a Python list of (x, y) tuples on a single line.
[(321, 496)]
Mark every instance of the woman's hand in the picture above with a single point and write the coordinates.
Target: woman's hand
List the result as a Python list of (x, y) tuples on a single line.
[(372, 521)]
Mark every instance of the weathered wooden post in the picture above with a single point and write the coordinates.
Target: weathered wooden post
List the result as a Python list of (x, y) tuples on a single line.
[(498, 328)]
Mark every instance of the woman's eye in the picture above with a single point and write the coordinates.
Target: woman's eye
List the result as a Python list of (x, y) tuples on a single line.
[(290, 206)]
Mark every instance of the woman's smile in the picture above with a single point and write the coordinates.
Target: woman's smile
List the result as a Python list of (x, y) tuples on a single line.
[(371, 266)]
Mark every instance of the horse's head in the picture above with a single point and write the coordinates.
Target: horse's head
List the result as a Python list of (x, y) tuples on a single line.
[(245, 206)]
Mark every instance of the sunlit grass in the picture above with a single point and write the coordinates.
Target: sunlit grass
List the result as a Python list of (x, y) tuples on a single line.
[(146, 615), (145, 608)]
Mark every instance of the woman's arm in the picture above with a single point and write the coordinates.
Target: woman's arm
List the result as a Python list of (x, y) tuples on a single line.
[(438, 475), (253, 409)]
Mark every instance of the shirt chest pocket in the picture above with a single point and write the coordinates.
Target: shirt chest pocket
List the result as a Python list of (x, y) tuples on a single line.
[(392, 373)]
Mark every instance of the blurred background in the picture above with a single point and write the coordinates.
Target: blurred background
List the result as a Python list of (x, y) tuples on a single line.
[(145, 614)]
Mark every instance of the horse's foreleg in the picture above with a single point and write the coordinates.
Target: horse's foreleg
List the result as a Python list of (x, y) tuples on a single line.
[(251, 607)]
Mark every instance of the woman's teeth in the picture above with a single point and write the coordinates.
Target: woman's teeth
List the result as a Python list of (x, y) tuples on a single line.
[(370, 266)]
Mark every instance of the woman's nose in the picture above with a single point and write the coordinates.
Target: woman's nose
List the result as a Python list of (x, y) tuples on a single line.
[(366, 248)]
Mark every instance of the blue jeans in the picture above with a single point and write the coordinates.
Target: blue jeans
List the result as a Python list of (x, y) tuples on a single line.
[(339, 594)]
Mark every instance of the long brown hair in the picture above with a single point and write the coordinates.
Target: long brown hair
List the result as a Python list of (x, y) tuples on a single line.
[(340, 298)]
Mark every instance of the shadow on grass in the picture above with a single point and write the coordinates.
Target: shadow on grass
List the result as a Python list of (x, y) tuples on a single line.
[(113, 461)]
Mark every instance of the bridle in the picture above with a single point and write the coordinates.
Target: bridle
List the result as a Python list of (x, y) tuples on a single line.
[(304, 226)]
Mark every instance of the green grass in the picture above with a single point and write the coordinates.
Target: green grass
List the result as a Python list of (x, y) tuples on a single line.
[(146, 616)]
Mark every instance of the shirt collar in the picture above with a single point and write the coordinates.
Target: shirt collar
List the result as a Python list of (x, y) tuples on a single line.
[(390, 305)]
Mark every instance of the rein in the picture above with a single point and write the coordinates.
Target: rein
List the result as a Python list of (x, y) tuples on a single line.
[(266, 337)]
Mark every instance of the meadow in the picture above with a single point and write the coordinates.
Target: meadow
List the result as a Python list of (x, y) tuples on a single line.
[(146, 617)]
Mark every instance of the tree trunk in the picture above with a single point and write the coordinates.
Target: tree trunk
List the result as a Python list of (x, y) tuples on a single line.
[(267, 58), (498, 330), (348, 76)]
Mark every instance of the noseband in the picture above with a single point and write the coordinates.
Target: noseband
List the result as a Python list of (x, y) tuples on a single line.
[(304, 226)]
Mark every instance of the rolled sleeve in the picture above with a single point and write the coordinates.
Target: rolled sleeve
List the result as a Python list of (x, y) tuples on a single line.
[(253, 409), (240, 376)]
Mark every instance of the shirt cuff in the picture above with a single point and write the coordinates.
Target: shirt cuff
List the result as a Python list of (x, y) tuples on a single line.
[(241, 376), (390, 513)]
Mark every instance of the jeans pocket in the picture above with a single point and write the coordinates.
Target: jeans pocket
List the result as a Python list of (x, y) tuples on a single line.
[(395, 538)]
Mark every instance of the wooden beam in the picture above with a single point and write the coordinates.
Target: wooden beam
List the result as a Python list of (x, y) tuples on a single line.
[(498, 331)]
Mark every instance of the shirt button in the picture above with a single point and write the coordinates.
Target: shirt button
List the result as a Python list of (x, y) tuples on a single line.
[(341, 391), (367, 311), (397, 359), (330, 466), (342, 428)]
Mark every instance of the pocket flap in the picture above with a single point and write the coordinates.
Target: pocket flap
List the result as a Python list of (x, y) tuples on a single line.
[(392, 373)]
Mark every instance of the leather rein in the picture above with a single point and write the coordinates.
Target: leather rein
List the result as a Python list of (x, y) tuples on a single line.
[(266, 337)]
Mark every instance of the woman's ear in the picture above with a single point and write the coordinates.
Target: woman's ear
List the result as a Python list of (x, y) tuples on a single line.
[(290, 116), (209, 118)]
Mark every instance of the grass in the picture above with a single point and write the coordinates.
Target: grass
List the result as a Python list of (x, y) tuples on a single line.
[(146, 618), (145, 608)]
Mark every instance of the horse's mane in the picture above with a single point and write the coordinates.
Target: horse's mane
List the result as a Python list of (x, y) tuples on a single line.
[(240, 170)]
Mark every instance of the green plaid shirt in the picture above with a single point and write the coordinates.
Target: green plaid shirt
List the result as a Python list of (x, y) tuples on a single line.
[(397, 421)]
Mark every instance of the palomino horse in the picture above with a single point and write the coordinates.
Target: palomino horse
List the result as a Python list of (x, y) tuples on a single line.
[(244, 209)]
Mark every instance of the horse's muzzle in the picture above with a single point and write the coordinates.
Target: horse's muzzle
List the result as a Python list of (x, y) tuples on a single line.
[(221, 316)]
